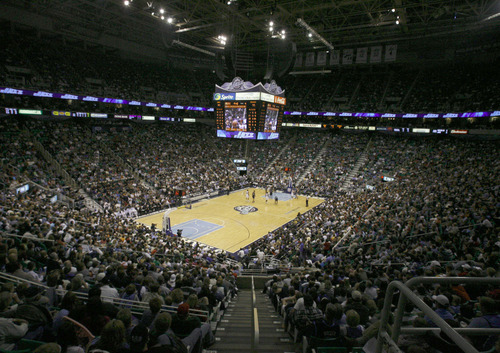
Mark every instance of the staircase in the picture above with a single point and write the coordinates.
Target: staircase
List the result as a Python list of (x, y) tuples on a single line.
[(235, 331), (292, 140), (90, 203), (359, 163), (126, 165), (405, 98), (273, 338), (315, 161)]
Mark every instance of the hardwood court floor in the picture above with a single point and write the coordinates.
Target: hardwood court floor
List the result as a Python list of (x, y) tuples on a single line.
[(234, 230)]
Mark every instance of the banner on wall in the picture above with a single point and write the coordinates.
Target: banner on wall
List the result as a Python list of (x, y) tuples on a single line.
[(361, 55), (390, 52), (347, 55), (376, 54), (310, 59), (335, 57), (321, 58)]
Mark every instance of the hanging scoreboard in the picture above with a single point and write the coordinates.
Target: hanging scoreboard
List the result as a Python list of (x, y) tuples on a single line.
[(249, 115)]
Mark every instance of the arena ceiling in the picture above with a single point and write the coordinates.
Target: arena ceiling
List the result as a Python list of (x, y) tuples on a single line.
[(245, 23)]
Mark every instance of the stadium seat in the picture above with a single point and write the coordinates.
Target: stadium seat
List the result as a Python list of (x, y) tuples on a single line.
[(358, 350), (314, 343), (29, 344), (330, 350)]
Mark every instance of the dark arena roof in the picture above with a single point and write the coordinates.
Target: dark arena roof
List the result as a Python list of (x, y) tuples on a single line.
[(133, 133)]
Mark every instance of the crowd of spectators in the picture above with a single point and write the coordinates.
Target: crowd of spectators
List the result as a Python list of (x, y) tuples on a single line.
[(107, 259), (436, 215), (293, 161), (333, 166), (441, 208)]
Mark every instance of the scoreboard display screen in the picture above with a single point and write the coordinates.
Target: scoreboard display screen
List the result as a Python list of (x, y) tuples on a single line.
[(239, 116), (254, 120), (271, 116)]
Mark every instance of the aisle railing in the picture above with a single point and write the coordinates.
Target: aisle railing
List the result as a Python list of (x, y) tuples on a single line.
[(406, 293)]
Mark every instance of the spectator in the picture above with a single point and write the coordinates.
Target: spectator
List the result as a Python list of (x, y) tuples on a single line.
[(489, 319), (11, 331), (112, 339)]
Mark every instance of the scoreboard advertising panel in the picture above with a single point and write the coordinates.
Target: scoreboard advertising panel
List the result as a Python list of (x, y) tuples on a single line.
[(248, 117)]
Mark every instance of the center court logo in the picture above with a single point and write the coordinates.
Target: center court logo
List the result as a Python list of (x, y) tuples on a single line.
[(246, 209)]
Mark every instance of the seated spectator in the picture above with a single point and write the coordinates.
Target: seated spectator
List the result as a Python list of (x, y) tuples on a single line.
[(353, 329), (489, 319), (329, 326), (154, 289), (356, 303), (108, 293), (67, 338), (93, 316), (149, 315), (11, 331), (125, 316), (183, 324), (49, 348), (164, 336), (305, 316), (38, 317), (69, 302), (441, 303), (177, 297), (113, 339), (129, 294), (139, 338), (196, 304), (6, 309)]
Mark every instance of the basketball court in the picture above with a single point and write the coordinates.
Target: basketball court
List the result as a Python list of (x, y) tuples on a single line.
[(231, 222)]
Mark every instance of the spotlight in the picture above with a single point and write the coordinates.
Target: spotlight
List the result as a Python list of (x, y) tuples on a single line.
[(310, 35), (162, 11), (152, 13), (393, 10), (170, 20), (271, 29), (126, 3), (283, 32), (162, 17), (271, 23), (397, 22)]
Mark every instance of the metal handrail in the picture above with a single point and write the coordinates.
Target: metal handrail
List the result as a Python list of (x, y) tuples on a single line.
[(33, 238), (137, 307), (406, 293), (462, 330), (256, 332)]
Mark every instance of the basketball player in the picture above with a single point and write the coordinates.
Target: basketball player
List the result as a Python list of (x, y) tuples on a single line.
[(247, 195), (253, 196), (267, 197), (307, 201)]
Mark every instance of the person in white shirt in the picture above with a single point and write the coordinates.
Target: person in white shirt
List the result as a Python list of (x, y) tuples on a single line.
[(108, 293), (11, 330)]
